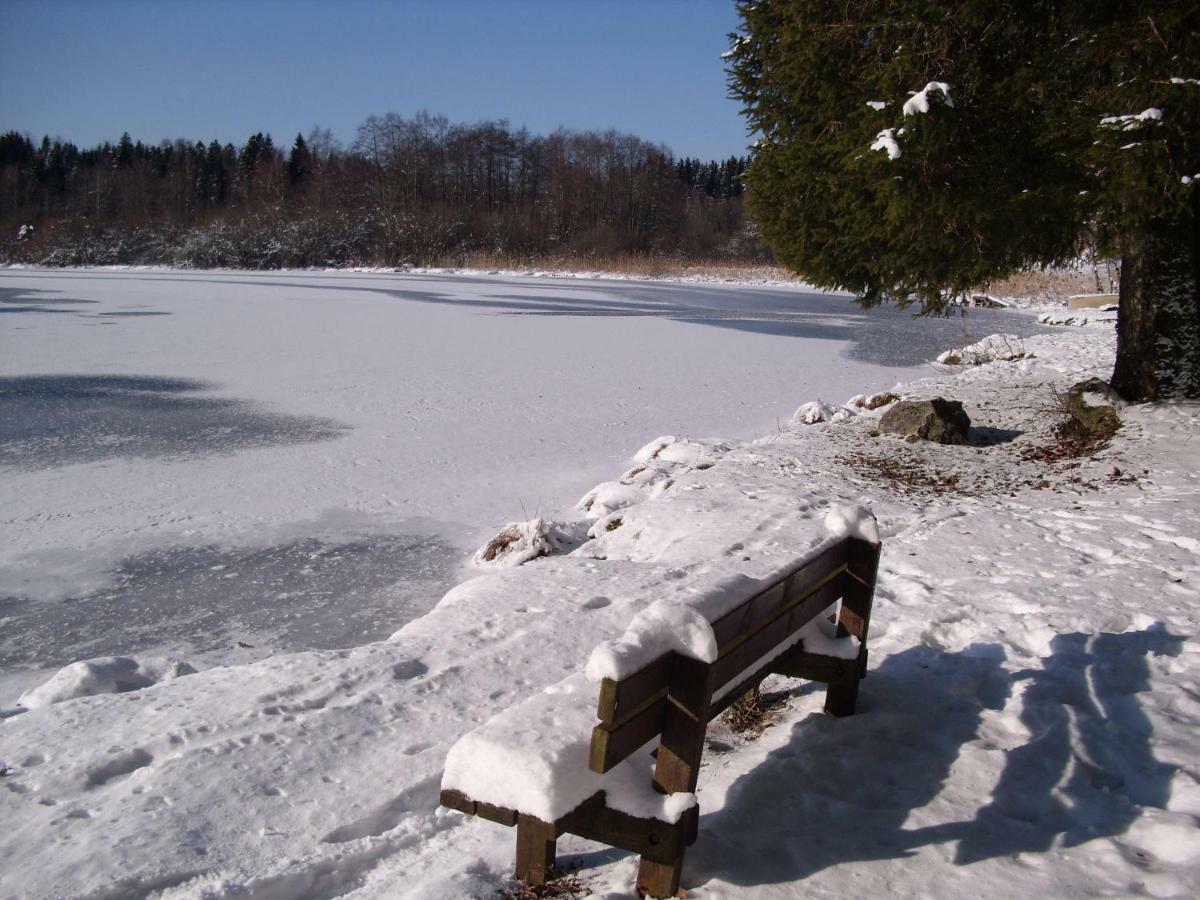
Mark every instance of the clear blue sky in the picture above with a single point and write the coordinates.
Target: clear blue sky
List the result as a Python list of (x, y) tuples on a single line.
[(86, 70)]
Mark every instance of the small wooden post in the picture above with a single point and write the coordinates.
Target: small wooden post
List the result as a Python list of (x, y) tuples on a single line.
[(677, 767), (855, 619), (535, 850)]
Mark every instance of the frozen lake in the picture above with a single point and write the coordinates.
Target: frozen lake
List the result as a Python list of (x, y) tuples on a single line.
[(220, 465)]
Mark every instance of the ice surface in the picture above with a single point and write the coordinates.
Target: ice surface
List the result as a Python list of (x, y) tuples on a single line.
[(171, 474)]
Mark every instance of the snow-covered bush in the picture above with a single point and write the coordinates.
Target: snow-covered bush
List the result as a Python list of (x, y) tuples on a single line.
[(993, 348), (519, 542)]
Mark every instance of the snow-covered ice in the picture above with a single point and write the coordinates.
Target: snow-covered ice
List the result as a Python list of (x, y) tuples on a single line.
[(222, 465), (1028, 727)]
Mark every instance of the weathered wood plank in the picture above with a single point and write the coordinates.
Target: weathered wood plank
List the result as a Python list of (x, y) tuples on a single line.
[(796, 663), (766, 605), (649, 838), (757, 644), (620, 700), (501, 815), (613, 743), (677, 766), (535, 850), (457, 800), (854, 617)]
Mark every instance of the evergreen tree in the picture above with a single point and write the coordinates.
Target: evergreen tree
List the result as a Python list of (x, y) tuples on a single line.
[(125, 151), (911, 151), (299, 163)]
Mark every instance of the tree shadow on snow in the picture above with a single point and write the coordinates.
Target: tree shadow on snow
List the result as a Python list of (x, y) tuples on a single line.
[(846, 787), (56, 420)]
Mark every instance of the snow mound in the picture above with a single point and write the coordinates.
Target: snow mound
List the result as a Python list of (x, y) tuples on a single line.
[(103, 675), (640, 483), (679, 451), (993, 348)]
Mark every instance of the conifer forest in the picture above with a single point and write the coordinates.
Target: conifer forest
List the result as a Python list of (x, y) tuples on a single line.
[(406, 191)]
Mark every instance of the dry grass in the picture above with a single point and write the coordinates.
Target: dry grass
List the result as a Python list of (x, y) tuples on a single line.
[(644, 265), (754, 713), (1100, 277), (500, 543), (565, 885)]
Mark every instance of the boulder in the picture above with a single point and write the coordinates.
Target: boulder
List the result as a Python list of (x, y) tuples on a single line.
[(939, 420), (1092, 405)]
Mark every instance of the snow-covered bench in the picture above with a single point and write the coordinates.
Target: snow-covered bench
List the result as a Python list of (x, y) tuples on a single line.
[(549, 768)]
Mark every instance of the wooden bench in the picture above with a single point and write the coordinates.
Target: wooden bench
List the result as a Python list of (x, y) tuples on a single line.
[(675, 697)]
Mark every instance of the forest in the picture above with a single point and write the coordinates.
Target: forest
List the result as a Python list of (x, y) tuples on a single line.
[(406, 191)]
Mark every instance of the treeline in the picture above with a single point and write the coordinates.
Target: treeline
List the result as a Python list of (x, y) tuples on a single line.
[(419, 190)]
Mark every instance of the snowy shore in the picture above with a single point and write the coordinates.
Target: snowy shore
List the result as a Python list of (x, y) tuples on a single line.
[(1029, 726)]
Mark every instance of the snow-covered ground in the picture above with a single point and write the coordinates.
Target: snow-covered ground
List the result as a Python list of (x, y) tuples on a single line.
[(217, 466), (1029, 726)]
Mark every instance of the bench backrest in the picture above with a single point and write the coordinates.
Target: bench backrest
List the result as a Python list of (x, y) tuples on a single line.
[(676, 696)]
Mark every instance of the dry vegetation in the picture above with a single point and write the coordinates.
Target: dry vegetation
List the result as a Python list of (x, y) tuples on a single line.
[(644, 265), (1056, 285), (564, 886)]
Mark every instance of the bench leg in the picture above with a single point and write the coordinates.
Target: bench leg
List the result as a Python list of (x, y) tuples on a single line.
[(840, 699), (656, 879), (535, 850)]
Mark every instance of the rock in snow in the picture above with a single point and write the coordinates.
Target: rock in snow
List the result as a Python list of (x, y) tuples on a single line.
[(1093, 406), (938, 420)]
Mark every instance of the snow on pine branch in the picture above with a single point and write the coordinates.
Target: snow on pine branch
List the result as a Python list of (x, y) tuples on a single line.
[(919, 102), (886, 140), (1128, 123)]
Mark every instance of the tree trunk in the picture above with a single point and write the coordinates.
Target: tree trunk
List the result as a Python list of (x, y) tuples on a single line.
[(1158, 325)]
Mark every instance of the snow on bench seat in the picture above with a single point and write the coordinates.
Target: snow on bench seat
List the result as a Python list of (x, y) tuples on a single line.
[(533, 758)]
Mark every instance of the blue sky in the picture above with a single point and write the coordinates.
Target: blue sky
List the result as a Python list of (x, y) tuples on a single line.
[(87, 71)]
